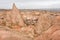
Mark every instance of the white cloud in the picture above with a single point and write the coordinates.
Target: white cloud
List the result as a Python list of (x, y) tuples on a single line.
[(30, 4), (38, 5)]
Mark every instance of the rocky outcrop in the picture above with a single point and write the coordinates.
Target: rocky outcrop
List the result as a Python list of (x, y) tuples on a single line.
[(29, 25)]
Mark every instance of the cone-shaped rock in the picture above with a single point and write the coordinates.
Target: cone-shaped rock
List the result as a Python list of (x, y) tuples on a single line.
[(14, 8), (16, 16)]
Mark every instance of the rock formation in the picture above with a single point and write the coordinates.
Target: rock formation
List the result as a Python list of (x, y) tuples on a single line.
[(18, 24)]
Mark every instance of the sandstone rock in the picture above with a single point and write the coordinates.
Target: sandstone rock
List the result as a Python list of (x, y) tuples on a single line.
[(29, 18), (16, 16), (8, 19), (55, 35), (44, 22), (29, 30), (52, 33), (13, 35), (13, 17), (2, 19), (29, 25), (57, 20)]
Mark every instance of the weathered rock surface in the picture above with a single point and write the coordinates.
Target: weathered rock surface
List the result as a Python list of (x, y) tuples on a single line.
[(29, 25), (13, 35)]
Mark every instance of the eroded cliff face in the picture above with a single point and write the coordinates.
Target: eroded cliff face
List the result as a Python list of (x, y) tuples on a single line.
[(29, 25)]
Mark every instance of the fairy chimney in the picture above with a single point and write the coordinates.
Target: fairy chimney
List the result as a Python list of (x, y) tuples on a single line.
[(16, 16)]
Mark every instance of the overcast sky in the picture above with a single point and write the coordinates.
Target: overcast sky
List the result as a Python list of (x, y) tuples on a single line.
[(30, 4)]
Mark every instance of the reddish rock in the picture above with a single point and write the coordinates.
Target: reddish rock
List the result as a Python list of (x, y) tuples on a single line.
[(29, 25), (16, 16), (13, 35), (44, 22), (53, 33), (13, 17), (57, 20), (29, 30)]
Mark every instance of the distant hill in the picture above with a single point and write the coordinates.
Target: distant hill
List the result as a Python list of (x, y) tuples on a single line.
[(53, 10)]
